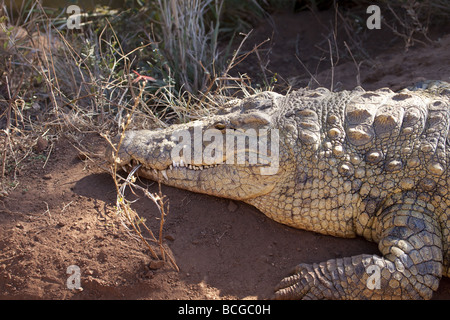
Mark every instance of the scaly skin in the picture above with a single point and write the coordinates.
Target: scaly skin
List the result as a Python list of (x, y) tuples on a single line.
[(351, 163)]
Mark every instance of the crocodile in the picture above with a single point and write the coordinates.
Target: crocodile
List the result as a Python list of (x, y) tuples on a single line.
[(353, 163)]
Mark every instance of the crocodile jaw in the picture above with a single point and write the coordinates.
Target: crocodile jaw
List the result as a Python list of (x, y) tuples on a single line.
[(152, 150), (217, 180), (243, 179)]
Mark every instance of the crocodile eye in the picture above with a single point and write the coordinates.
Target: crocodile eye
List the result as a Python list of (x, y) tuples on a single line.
[(220, 125)]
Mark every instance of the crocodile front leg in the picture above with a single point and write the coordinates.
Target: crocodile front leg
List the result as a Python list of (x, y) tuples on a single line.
[(410, 268)]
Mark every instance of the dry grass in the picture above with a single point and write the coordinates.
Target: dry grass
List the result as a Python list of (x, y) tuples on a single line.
[(56, 82), (128, 216)]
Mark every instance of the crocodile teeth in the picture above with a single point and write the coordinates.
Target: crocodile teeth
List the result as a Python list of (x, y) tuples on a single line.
[(175, 165)]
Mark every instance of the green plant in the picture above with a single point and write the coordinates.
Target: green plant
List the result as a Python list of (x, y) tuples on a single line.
[(189, 43)]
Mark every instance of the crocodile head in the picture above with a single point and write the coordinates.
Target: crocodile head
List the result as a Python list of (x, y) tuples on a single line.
[(233, 154)]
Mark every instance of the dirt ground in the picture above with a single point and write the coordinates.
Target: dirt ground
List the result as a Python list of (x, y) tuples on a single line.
[(64, 213)]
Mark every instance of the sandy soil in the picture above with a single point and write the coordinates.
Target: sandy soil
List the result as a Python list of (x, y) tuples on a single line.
[(64, 214)]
